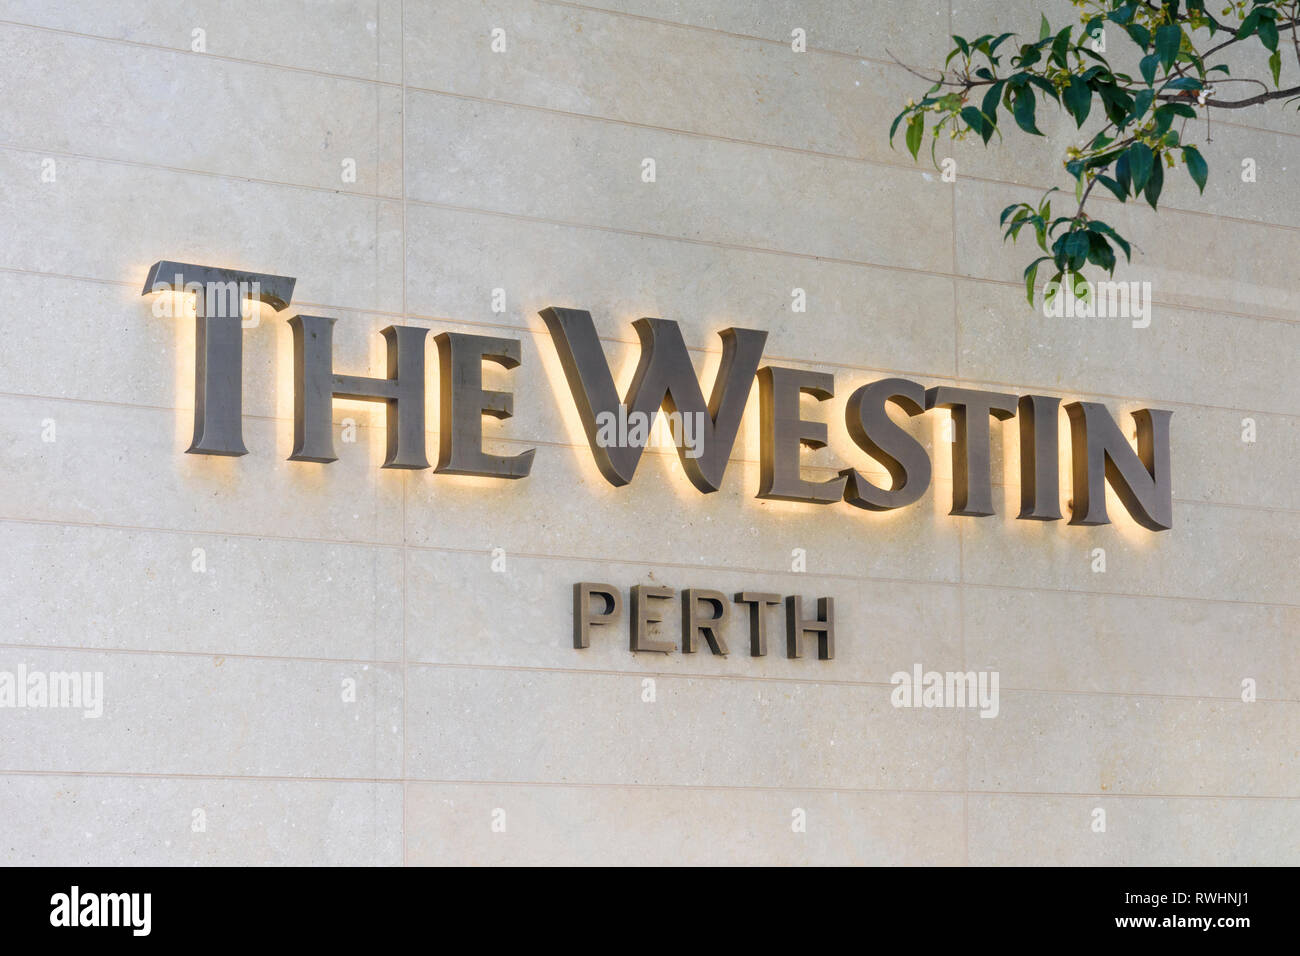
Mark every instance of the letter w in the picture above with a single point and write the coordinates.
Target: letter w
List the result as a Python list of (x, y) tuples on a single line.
[(664, 378)]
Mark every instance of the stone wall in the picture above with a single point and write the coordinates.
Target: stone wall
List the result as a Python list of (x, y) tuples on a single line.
[(236, 606)]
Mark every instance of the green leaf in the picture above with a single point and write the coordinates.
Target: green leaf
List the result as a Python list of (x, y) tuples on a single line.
[(1139, 34), (1024, 110), (1168, 39), (915, 128), (999, 41), (1148, 67), (1248, 25), (1113, 186), (1122, 174), (990, 105), (1045, 85), (1142, 103), (1078, 99), (1096, 225), (1166, 112), (1155, 184), (1268, 33), (1059, 47), (1275, 64), (1031, 273), (1122, 14), (1100, 252), (975, 120), (1196, 166), (1140, 162), (893, 127), (1076, 249), (1044, 29), (1117, 103)]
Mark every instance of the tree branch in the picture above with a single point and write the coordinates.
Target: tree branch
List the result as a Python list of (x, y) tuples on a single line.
[(1233, 104)]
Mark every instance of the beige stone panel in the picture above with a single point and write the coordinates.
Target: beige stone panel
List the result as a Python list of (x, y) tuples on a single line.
[(855, 315), (1235, 266), (1015, 830), (521, 616), (1214, 552), (1087, 744), (1212, 463), (125, 102), (492, 725), (971, 18), (1003, 339), (577, 170), (127, 466), (451, 825), (124, 352), (164, 714), (352, 39), (1273, 197), (597, 63), (566, 508), (1034, 164), (913, 32), (345, 250), (142, 590), (74, 820), (1130, 645)]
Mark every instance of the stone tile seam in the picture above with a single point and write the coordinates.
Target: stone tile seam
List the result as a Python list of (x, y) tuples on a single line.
[(639, 234), (870, 469), (589, 785), (1106, 199), (606, 672), (396, 85), (641, 562), (613, 340)]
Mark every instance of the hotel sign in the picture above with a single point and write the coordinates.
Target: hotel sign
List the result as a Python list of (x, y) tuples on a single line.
[(665, 381)]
